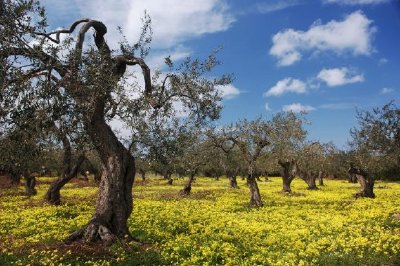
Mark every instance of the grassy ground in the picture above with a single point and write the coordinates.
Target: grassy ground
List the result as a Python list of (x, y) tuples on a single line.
[(212, 226)]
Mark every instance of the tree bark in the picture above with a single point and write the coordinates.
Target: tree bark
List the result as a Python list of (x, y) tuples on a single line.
[(288, 172), (321, 175), (30, 183), (366, 181), (188, 187), (255, 196), (114, 202), (310, 177), (233, 181), (53, 193)]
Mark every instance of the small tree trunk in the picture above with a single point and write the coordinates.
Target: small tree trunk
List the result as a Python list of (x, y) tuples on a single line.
[(170, 181), (255, 196), (258, 178), (266, 177), (321, 175), (188, 187), (53, 193), (233, 181), (142, 174), (30, 183)]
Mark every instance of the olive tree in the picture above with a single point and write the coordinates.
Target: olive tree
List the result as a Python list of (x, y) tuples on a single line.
[(250, 137), (287, 136), (378, 133), (90, 78)]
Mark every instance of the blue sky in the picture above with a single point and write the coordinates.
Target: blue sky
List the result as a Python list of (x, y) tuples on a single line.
[(328, 57)]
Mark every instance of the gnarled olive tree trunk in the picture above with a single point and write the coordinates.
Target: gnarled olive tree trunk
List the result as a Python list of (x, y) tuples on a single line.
[(255, 196), (309, 177), (114, 202), (288, 172), (366, 181)]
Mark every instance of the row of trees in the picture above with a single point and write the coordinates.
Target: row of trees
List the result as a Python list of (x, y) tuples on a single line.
[(59, 95)]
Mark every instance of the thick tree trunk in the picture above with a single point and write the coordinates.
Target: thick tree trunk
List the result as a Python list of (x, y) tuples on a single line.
[(53, 193), (114, 201), (30, 183), (353, 178), (188, 187), (367, 186), (366, 181), (286, 185), (233, 181), (310, 179), (288, 172), (255, 196)]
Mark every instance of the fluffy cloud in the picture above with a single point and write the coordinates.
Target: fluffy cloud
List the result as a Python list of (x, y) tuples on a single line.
[(287, 85), (356, 2), (228, 91), (173, 21), (297, 108), (339, 76), (267, 107), (353, 34)]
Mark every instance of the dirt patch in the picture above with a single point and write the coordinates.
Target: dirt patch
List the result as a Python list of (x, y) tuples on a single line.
[(5, 182)]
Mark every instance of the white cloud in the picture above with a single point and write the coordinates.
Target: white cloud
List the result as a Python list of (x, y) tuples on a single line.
[(387, 90), (297, 108), (173, 21), (353, 34), (339, 76), (271, 6), (287, 85), (267, 107), (228, 91), (356, 2)]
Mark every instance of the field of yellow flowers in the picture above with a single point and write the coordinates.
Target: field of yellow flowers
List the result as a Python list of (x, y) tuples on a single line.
[(212, 226)]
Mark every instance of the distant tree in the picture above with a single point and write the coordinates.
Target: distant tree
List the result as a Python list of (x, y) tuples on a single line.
[(91, 81), (251, 137), (19, 156), (287, 136)]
